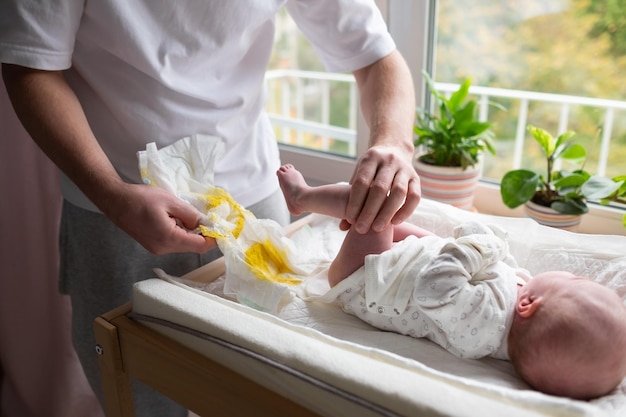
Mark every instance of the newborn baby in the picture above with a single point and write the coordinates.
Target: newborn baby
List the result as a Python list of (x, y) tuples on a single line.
[(565, 335)]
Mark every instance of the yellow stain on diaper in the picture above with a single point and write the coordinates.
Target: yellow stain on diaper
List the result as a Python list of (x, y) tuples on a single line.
[(269, 263), (264, 259), (236, 217), (215, 234), (145, 176)]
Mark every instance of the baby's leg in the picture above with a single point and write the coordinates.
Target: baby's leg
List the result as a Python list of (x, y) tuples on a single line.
[(330, 199), (355, 247)]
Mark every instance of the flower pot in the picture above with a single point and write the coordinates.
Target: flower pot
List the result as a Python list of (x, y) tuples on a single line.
[(548, 217), (451, 185)]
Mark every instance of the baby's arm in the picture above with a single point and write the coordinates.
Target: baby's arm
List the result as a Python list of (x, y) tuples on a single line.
[(476, 252)]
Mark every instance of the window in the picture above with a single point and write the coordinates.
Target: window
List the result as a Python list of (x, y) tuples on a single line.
[(556, 64)]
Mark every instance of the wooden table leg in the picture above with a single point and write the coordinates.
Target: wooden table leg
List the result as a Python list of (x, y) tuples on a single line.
[(118, 395)]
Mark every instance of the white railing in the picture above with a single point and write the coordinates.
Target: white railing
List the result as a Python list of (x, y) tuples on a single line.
[(525, 97), (286, 107), (288, 90)]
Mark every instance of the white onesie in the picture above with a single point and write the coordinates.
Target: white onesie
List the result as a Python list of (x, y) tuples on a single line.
[(458, 292)]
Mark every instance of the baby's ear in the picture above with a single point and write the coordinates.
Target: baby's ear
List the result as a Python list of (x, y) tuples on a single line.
[(527, 304)]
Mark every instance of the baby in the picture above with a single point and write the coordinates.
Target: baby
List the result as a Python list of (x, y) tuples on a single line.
[(565, 335)]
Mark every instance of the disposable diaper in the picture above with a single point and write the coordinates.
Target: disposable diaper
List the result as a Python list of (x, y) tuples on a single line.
[(261, 263)]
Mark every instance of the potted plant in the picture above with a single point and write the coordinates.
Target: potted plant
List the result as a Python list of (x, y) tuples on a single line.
[(452, 140), (559, 197)]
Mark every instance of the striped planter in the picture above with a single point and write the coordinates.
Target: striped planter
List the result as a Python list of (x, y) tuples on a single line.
[(451, 185), (548, 217)]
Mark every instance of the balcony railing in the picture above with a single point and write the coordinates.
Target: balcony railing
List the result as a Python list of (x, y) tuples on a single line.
[(296, 95), (564, 102)]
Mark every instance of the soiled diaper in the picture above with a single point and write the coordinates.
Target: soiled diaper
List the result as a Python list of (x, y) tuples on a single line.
[(261, 264)]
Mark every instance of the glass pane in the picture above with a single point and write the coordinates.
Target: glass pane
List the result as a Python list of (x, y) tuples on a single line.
[(556, 64), (309, 108)]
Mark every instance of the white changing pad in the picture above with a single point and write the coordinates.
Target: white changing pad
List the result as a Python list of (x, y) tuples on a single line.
[(316, 354)]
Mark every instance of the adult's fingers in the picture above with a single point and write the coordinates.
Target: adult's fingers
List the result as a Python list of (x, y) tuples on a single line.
[(413, 197), (186, 241), (384, 197), (361, 181)]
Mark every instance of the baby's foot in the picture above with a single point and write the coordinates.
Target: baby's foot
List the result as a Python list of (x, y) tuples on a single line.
[(293, 184)]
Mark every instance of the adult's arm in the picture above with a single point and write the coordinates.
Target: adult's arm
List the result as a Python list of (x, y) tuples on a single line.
[(385, 186), (54, 118)]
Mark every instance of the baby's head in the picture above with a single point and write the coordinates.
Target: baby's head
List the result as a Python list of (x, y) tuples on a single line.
[(568, 336)]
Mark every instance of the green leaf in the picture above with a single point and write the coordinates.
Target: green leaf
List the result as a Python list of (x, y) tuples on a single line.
[(464, 116), (622, 189), (569, 206), (545, 139), (574, 152), (476, 128), (496, 105), (431, 87), (489, 145), (563, 138), (518, 187), (569, 180), (621, 180), (599, 187), (458, 97)]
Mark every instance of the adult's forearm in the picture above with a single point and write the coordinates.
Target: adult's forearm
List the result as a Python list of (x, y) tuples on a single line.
[(388, 101), (53, 116), (385, 186)]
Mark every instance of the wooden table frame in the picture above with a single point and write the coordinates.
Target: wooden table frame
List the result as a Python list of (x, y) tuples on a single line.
[(128, 349)]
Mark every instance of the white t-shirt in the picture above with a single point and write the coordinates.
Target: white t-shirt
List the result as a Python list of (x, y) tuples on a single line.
[(159, 70), (458, 292)]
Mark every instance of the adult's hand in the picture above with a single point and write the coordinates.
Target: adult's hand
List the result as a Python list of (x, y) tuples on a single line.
[(385, 189), (158, 220)]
